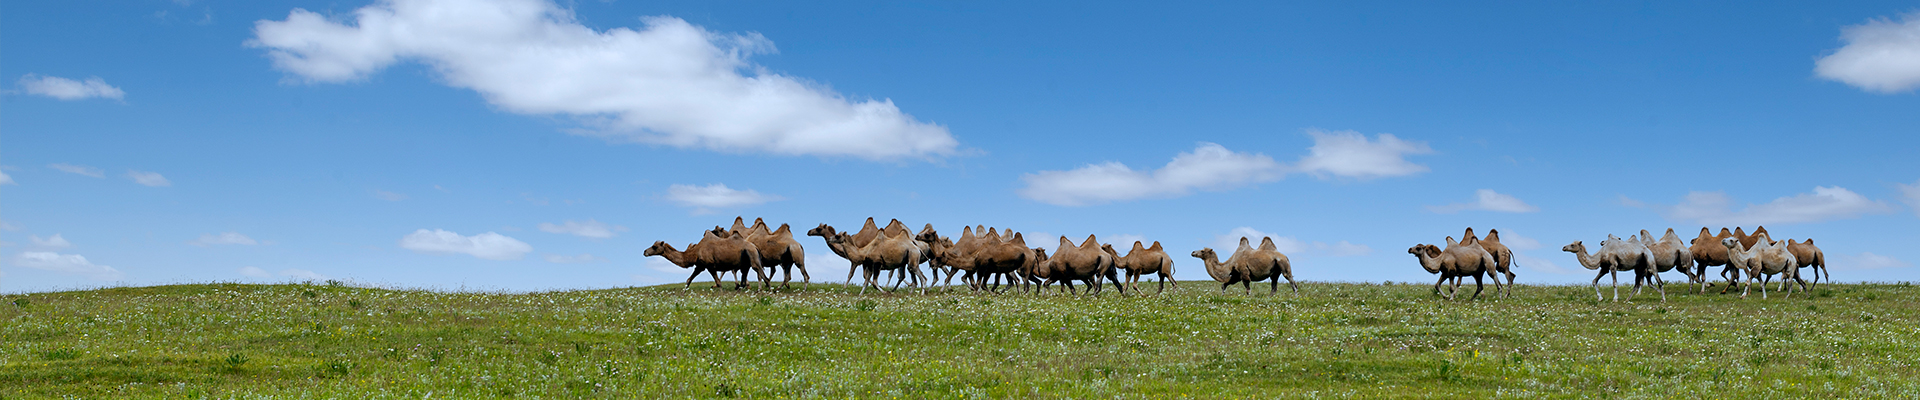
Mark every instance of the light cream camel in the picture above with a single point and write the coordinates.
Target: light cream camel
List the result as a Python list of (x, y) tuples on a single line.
[(1615, 255), (1143, 260), (1669, 253), (1085, 262), (1249, 264), (715, 255), (1765, 258), (1809, 255)]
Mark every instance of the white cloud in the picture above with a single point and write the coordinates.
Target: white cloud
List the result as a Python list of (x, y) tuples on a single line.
[(6, 179), (1880, 56), (705, 198), (591, 229), (1538, 264), (582, 258), (1209, 167), (491, 246), (148, 178), (223, 238), (68, 89), (79, 169), (305, 275), (1488, 200), (51, 242), (1349, 154), (1868, 261), (1825, 203), (388, 196), (72, 264), (1517, 242), (1225, 244), (1910, 194), (668, 82), (254, 272)]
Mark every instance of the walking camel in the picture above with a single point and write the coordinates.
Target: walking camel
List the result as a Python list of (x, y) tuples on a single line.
[(1248, 264), (715, 255)]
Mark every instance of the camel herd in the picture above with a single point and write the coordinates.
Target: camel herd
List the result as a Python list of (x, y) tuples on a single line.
[(985, 258)]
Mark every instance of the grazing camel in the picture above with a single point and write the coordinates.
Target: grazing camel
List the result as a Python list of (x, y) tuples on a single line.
[(1249, 264), (1502, 258), (1142, 260), (1085, 262), (1765, 258), (1615, 255), (1808, 255), (893, 251), (1452, 265), (715, 255), (1670, 253)]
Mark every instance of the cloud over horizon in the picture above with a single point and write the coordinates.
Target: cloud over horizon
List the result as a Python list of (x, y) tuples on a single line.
[(1881, 56), (486, 246), (589, 229), (71, 264), (1342, 154), (703, 199), (1824, 204), (1487, 200), (1225, 244), (667, 82)]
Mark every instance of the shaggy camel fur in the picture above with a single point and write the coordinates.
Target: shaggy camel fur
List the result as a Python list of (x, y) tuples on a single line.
[(1670, 253), (1615, 255), (1765, 258), (715, 255), (1248, 265), (1451, 265), (893, 251), (1502, 258), (1086, 263), (1809, 255), (1143, 260)]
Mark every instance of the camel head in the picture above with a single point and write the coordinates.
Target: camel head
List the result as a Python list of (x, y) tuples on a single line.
[(1575, 247), (1109, 249), (1731, 243), (822, 231), (1426, 252), (1206, 253), (927, 235), (658, 248)]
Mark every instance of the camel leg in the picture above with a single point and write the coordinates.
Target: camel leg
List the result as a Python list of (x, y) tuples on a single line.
[(1436, 287), (1596, 286), (1478, 287), (1115, 278), (1273, 285), (804, 278), (1661, 286), (1638, 277), (1248, 285), (696, 274), (1616, 285)]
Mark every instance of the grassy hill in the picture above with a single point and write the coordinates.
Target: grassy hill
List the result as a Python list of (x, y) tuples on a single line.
[(1331, 340)]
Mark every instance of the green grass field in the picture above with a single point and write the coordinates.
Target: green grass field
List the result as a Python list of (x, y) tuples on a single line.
[(1331, 340)]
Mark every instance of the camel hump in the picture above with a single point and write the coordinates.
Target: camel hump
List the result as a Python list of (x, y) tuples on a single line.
[(1451, 242), (1493, 235), (869, 224), (1809, 241), (1244, 243), (1137, 246), (966, 232), (784, 229), (1156, 246), (734, 235), (1065, 243), (1018, 240), (1091, 242), (1266, 243)]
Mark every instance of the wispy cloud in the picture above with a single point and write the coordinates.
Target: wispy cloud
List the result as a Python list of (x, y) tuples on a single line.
[(668, 82), (1342, 154), (490, 246), (1824, 204), (1881, 56), (71, 264), (1292, 247), (1868, 261), (6, 179), (68, 89), (226, 238), (1349, 154), (589, 229), (706, 198), (1910, 194), (148, 178), (1487, 200), (79, 169), (51, 242)]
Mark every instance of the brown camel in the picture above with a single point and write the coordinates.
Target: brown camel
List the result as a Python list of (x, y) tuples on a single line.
[(1751, 239), (779, 249), (1086, 263), (1143, 260), (895, 251), (1809, 255), (1450, 265), (1502, 258), (1707, 252), (1249, 264), (987, 256), (715, 255)]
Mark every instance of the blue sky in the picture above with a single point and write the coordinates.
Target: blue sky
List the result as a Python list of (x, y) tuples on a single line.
[(532, 145)]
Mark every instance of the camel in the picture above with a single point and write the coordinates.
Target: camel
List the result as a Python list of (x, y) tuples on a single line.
[(715, 254), (1452, 265), (1808, 255), (1249, 264), (1765, 258), (987, 256), (1707, 252), (1085, 262), (778, 249), (1670, 253), (1142, 260), (893, 251), (1502, 258), (1615, 255), (1750, 239)]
